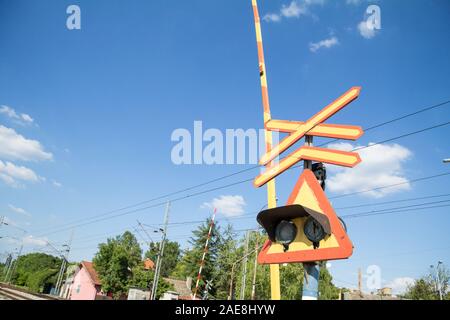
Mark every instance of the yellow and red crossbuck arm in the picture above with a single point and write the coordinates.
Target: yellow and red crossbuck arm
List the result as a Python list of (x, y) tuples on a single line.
[(304, 128), (336, 131), (336, 157)]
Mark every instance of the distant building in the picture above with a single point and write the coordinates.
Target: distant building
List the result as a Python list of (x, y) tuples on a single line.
[(382, 294), (182, 290), (170, 295), (86, 284), (149, 264), (387, 292), (138, 294), (66, 288)]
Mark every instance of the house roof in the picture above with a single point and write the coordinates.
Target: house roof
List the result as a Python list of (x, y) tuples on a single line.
[(91, 271), (180, 287), (149, 264)]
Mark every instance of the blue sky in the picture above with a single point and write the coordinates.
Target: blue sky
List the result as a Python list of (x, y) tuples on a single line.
[(103, 101)]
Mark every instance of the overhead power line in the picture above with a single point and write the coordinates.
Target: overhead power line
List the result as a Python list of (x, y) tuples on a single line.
[(397, 119), (403, 136), (252, 215), (390, 185), (107, 214), (392, 201), (222, 187), (393, 209), (374, 213)]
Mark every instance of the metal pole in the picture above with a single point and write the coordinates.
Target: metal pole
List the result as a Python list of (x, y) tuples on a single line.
[(360, 281), (10, 257), (160, 254), (439, 280), (244, 266), (255, 269), (230, 295), (15, 265), (311, 281), (63, 266), (233, 268), (312, 270), (60, 275)]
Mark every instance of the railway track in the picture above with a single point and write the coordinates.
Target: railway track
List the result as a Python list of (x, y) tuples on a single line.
[(7, 295), (11, 293)]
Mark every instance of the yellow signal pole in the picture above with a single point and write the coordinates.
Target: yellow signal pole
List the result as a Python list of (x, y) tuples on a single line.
[(271, 193)]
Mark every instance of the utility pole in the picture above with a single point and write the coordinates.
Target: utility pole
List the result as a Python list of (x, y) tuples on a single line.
[(360, 281), (230, 295), (244, 266), (438, 279), (14, 265), (9, 261), (160, 254), (255, 269), (63, 266)]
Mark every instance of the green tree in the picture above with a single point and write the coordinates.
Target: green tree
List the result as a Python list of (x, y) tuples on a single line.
[(190, 262), (291, 276), (143, 279), (422, 289), (170, 258), (327, 290), (262, 289), (37, 271), (114, 263), (426, 288), (226, 256)]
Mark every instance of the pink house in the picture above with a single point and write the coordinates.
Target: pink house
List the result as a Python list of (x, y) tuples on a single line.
[(86, 284)]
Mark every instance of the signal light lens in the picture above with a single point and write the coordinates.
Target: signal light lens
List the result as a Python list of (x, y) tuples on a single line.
[(285, 233), (313, 230)]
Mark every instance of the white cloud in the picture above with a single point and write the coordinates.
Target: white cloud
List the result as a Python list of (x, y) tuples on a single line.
[(272, 17), (400, 285), (56, 184), (381, 165), (294, 10), (229, 206), (326, 43), (32, 241), (13, 175), (14, 146), (19, 210), (11, 113)]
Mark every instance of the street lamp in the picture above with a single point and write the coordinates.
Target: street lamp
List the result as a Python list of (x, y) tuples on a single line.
[(446, 160)]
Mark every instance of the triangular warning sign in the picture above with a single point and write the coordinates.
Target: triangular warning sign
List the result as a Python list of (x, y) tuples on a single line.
[(336, 245)]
